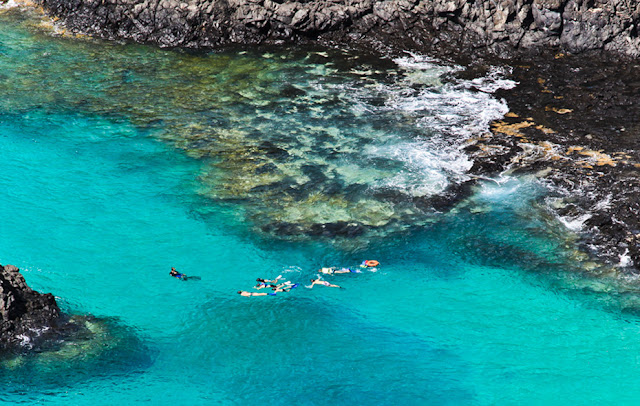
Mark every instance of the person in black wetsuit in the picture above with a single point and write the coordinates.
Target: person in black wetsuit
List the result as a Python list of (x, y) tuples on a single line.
[(177, 274)]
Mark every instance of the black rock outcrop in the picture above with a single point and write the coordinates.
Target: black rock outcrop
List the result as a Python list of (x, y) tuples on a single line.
[(500, 26), (25, 315)]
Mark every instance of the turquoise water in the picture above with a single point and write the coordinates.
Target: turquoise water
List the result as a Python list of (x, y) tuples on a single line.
[(119, 161)]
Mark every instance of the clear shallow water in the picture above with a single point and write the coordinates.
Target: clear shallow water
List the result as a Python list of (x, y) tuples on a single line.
[(487, 304)]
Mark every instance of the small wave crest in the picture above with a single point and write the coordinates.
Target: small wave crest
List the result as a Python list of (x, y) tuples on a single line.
[(574, 223), (25, 340)]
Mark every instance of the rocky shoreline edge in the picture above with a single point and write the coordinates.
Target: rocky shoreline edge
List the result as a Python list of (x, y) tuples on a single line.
[(572, 118), (573, 121), (501, 27)]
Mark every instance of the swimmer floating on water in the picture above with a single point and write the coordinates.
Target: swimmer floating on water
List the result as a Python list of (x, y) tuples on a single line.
[(266, 283), (333, 270), (285, 287), (323, 283), (177, 274), (262, 285), (247, 294), (181, 276)]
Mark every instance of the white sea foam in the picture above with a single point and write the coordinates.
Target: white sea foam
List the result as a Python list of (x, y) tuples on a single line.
[(25, 341), (428, 166), (494, 80), (625, 260), (500, 190), (454, 108), (9, 4), (420, 69), (574, 223), (604, 203), (447, 113)]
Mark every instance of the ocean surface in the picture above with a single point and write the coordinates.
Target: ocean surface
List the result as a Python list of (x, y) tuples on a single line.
[(120, 161)]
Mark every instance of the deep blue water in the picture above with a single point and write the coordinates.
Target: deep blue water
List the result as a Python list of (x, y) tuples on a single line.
[(120, 161)]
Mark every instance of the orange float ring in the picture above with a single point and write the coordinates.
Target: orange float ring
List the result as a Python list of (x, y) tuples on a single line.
[(371, 262)]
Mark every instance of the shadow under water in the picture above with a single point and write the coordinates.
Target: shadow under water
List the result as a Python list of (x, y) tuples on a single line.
[(322, 353), (98, 348)]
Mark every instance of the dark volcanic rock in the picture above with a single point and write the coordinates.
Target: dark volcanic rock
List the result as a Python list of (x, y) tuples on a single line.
[(574, 120), (447, 199), (25, 314), (500, 26)]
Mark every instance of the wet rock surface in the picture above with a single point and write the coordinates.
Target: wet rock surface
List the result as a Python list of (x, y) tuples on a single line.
[(503, 26), (26, 315), (574, 121)]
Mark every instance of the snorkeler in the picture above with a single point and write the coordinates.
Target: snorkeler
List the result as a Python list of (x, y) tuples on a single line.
[(285, 287), (177, 274), (323, 283), (269, 281), (266, 283), (262, 285), (333, 270), (247, 294)]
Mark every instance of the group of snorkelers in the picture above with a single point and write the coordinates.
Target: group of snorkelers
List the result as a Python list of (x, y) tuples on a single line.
[(272, 284), (287, 286), (276, 286)]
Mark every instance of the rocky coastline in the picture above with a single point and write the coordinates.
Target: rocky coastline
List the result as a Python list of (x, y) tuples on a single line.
[(573, 114), (573, 120), (499, 26)]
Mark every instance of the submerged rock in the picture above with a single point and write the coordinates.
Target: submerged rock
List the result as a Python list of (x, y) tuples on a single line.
[(92, 348), (38, 341)]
